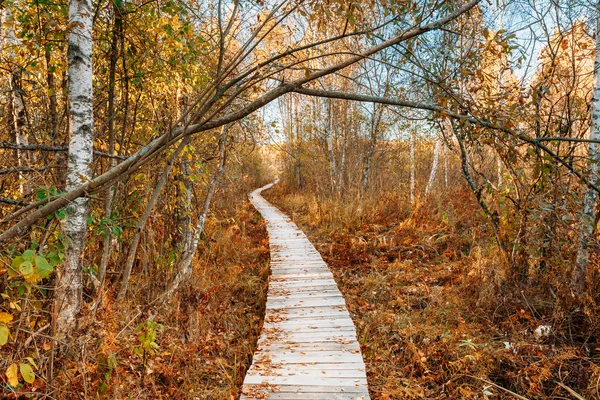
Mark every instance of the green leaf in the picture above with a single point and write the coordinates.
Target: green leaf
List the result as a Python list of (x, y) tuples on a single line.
[(27, 372), (102, 388), (54, 258), (4, 333), (28, 255), (44, 269), (32, 362), (26, 268), (17, 261)]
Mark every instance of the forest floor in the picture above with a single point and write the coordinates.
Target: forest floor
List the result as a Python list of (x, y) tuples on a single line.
[(432, 316), (207, 333)]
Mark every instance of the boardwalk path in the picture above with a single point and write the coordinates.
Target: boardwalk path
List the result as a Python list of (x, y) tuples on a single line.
[(308, 348)]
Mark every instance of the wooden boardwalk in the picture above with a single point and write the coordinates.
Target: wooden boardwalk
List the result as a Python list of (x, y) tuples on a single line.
[(308, 348)]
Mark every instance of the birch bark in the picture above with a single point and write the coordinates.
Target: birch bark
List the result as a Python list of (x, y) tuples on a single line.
[(434, 167), (445, 154), (377, 113), (586, 233), (330, 148), (68, 290)]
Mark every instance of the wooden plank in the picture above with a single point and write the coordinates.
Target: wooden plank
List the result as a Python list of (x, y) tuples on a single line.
[(314, 324), (307, 348), (305, 380), (312, 396), (306, 302), (349, 345), (351, 371), (316, 389)]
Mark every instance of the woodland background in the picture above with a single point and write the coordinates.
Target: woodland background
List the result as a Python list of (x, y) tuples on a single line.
[(442, 156)]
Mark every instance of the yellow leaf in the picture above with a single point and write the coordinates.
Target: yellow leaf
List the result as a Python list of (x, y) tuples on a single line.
[(12, 375), (27, 372), (5, 317), (32, 362), (4, 333)]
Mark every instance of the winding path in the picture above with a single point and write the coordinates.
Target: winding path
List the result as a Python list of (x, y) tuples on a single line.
[(308, 348)]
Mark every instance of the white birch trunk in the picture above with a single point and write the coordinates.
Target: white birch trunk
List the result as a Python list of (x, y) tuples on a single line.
[(434, 167), (445, 154), (346, 131), (579, 274), (372, 146), (69, 281), (499, 161), (330, 148)]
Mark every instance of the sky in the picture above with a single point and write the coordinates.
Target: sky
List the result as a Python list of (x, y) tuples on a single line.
[(531, 21)]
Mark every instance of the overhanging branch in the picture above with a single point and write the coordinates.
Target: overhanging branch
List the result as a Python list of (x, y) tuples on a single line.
[(210, 121), (537, 142)]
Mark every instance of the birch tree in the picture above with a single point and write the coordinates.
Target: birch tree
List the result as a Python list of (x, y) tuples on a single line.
[(69, 287), (434, 166), (208, 106), (588, 213)]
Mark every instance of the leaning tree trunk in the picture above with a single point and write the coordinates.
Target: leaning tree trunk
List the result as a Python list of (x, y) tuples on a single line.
[(69, 284), (579, 274), (160, 183), (434, 167), (184, 265)]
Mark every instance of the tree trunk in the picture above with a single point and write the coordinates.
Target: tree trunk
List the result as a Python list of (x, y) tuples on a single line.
[(160, 183), (464, 162), (330, 148), (184, 265), (341, 180), (586, 233), (434, 167), (296, 128), (499, 167), (69, 285), (53, 121), (372, 146), (16, 96), (110, 115), (412, 165), (445, 154)]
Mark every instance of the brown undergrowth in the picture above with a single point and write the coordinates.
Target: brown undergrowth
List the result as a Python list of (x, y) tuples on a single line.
[(205, 336), (435, 316)]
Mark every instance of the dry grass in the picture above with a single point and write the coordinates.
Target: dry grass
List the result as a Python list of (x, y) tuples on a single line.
[(434, 314), (210, 328)]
